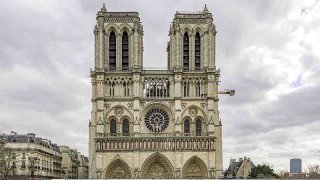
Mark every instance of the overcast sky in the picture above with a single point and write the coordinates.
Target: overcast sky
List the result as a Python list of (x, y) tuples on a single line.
[(268, 51)]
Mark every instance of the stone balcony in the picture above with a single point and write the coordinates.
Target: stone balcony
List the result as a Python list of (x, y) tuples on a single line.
[(154, 142)]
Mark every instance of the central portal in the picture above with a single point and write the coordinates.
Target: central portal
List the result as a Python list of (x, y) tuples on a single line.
[(157, 166)]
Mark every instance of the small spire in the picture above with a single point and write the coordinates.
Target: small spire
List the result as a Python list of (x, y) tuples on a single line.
[(205, 8), (103, 9)]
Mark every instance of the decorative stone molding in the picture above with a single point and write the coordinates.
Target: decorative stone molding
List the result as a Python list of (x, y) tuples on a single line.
[(171, 104), (118, 111), (193, 111), (107, 105), (203, 105), (183, 105), (130, 105)]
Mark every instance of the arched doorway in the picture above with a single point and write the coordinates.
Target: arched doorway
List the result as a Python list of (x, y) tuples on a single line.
[(195, 168), (157, 166), (118, 169)]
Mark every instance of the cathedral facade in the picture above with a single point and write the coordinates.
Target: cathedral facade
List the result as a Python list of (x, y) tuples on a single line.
[(155, 123)]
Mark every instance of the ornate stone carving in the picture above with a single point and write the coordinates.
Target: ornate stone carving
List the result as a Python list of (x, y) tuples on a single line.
[(118, 169), (183, 105), (156, 120), (142, 104), (107, 105), (157, 166), (193, 111), (118, 111), (171, 104), (130, 105), (203, 105)]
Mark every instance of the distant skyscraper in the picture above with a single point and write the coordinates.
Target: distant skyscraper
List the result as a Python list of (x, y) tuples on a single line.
[(295, 165)]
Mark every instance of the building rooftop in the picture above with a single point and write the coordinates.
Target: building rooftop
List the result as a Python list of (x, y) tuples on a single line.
[(29, 138)]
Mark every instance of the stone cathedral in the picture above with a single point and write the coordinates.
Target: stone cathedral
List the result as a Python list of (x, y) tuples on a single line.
[(155, 123)]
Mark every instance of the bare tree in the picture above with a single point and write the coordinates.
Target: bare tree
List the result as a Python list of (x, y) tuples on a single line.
[(314, 171), (7, 166)]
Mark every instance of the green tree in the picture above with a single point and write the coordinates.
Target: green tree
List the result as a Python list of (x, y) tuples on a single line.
[(6, 165), (262, 172)]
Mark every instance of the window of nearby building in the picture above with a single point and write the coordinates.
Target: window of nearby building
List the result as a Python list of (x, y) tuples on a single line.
[(198, 127), (197, 51), (125, 51), (186, 51), (112, 51), (125, 127), (186, 127), (113, 127)]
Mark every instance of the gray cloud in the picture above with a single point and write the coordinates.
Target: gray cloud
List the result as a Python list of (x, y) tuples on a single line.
[(263, 48)]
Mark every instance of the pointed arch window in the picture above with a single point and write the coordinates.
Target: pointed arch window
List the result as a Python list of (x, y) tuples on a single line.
[(125, 51), (125, 127), (198, 127), (126, 89), (197, 52), (186, 87), (186, 127), (113, 127), (198, 89), (111, 90), (185, 51), (112, 51)]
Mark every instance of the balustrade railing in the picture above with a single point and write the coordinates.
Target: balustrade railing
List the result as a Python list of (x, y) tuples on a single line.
[(156, 144), (154, 141), (137, 135)]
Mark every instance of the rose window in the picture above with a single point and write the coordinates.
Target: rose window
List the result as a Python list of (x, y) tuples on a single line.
[(156, 120)]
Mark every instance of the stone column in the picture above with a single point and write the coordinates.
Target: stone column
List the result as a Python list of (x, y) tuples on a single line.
[(191, 52)]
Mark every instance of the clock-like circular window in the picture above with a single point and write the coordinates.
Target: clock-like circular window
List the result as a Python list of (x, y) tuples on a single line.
[(156, 120)]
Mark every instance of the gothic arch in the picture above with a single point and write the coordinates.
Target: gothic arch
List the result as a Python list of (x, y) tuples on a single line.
[(125, 27), (186, 29), (126, 112), (200, 113), (157, 166), (199, 29), (111, 27), (162, 105), (118, 169), (195, 168)]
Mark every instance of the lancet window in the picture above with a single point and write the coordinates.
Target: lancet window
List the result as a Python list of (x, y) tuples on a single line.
[(194, 86), (111, 89), (197, 89), (198, 127), (112, 51), (126, 89), (197, 51), (113, 127), (186, 51), (186, 89), (186, 127), (125, 51), (125, 127), (156, 87)]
